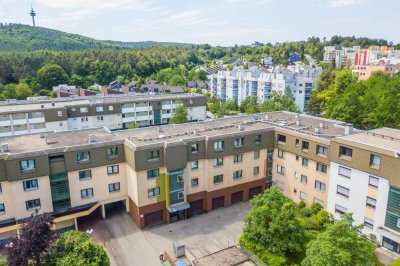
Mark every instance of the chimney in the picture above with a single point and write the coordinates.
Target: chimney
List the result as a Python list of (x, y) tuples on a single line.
[(348, 129), (298, 122), (91, 138), (322, 125), (296, 116), (196, 132), (5, 147), (317, 130), (240, 127)]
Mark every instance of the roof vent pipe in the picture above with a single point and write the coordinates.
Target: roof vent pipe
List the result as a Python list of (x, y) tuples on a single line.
[(5, 147), (348, 129), (91, 138)]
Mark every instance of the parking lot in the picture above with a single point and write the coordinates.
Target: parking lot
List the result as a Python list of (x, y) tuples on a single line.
[(202, 235)]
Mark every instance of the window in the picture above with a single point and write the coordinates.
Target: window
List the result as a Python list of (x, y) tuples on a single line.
[(85, 175), (237, 158), (99, 108), (340, 209), (73, 109), (320, 202), (258, 139), (219, 145), (153, 173), (303, 195), (280, 185), (83, 156), (238, 142), (195, 148), (179, 179), (237, 174), (32, 204), (375, 160), (153, 192), (371, 203), (345, 192), (218, 179), (256, 170), (304, 145), (281, 138), (100, 118), (30, 184), (84, 119), (368, 223), (322, 150), (180, 195), (218, 161), (346, 152), (304, 162), (281, 153), (2, 208), (83, 109), (59, 113), (112, 169), (343, 171), (256, 155), (319, 186), (1, 189), (110, 108), (114, 187), (303, 179), (153, 155), (297, 142), (112, 152), (373, 181), (194, 182), (27, 165), (195, 165), (321, 167), (280, 170), (87, 193)]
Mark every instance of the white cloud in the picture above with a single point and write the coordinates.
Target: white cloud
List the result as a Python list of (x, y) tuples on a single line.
[(249, 1), (99, 4), (343, 3)]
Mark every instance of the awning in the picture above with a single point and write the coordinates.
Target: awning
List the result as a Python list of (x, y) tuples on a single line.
[(178, 207)]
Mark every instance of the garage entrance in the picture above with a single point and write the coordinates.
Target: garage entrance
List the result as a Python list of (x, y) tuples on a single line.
[(196, 207), (218, 202), (254, 191), (114, 208), (154, 218), (237, 197)]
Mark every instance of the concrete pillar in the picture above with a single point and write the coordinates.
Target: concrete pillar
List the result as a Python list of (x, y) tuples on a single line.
[(103, 212), (76, 224), (127, 205)]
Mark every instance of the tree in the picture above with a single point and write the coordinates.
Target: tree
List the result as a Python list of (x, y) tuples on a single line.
[(76, 248), (176, 80), (341, 244), (180, 115), (51, 75), (22, 91), (279, 102), (272, 230), (10, 91), (249, 105), (33, 242)]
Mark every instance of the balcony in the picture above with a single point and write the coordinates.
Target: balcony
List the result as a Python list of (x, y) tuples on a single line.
[(36, 120)]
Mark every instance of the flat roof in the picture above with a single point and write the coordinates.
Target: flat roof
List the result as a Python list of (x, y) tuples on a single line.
[(35, 105), (226, 257), (174, 133), (381, 138)]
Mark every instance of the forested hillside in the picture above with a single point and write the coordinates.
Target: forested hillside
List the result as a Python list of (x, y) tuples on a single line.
[(18, 37)]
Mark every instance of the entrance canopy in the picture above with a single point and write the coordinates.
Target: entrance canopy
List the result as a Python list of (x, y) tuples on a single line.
[(178, 207)]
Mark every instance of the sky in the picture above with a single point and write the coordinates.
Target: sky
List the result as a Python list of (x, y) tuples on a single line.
[(217, 22)]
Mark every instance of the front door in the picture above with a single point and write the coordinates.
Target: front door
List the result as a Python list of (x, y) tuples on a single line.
[(178, 216)]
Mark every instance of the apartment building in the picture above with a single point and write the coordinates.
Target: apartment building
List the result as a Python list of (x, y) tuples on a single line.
[(364, 181), (172, 172), (241, 83), (118, 112)]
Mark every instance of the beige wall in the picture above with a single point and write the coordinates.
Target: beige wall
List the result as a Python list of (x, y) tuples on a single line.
[(292, 178), (99, 182), (6, 197), (20, 197)]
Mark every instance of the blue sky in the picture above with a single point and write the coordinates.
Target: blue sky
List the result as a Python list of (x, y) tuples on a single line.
[(218, 22)]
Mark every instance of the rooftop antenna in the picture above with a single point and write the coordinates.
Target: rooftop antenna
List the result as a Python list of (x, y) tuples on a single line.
[(33, 15)]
